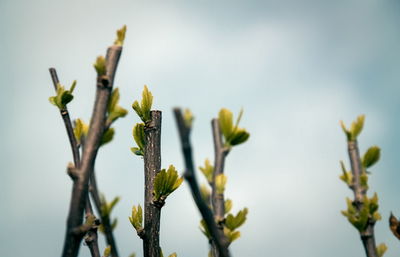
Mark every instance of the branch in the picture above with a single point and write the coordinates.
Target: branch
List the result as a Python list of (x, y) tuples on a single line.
[(67, 122), (92, 143), (217, 199), (105, 221), (368, 235), (152, 165), (91, 238), (218, 238), (72, 171)]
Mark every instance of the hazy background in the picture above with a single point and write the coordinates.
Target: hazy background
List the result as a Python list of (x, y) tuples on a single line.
[(296, 67)]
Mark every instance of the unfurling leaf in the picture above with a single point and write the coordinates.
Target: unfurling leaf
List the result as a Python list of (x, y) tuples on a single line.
[(205, 193), (228, 205), (80, 130), (100, 66), (107, 207), (371, 156), (231, 235), (120, 36), (225, 118), (165, 183), (204, 229), (107, 136), (63, 97), (114, 110), (240, 136), (220, 183), (347, 176), (143, 110), (137, 218), (140, 139), (207, 170), (355, 129), (188, 118), (107, 251), (233, 135), (381, 249), (233, 222)]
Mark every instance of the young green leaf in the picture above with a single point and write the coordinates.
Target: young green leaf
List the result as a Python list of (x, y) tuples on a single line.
[(137, 218), (204, 229), (205, 193), (114, 110), (80, 130), (231, 235), (207, 170), (228, 205), (357, 126), (233, 222), (143, 110), (225, 118), (107, 136), (120, 36), (140, 139), (239, 136), (100, 66), (347, 176), (165, 183), (371, 156), (381, 249), (63, 97), (107, 251), (188, 118), (220, 183)]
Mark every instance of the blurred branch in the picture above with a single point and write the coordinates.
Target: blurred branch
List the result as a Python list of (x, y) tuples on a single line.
[(218, 237)]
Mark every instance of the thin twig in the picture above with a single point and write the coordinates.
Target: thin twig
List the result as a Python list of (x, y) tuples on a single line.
[(152, 165), (218, 238), (91, 238), (105, 220), (368, 235), (92, 143), (217, 198), (92, 234)]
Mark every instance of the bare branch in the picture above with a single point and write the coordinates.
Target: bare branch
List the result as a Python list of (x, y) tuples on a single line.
[(218, 237), (92, 143), (368, 235), (152, 165)]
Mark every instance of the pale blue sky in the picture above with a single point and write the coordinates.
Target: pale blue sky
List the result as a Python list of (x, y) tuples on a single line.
[(296, 67)]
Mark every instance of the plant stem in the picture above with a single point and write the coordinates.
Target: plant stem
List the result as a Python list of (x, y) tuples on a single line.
[(152, 165), (218, 238), (105, 220), (91, 238), (92, 143), (217, 198), (92, 234), (367, 236)]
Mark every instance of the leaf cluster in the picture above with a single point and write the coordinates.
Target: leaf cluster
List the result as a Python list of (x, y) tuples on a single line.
[(143, 110), (63, 96), (80, 130), (137, 218), (359, 217), (233, 135), (355, 128), (171, 255), (166, 182), (232, 223), (106, 209)]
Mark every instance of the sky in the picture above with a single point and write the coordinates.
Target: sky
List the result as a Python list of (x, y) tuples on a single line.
[(296, 68)]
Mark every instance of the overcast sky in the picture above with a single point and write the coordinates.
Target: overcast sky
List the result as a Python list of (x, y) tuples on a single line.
[(296, 67)]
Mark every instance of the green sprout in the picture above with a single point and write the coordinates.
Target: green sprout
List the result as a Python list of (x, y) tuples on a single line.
[(143, 110), (140, 139), (120, 36), (233, 135), (100, 66), (114, 110), (137, 218), (63, 96), (207, 170), (166, 182), (355, 129)]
